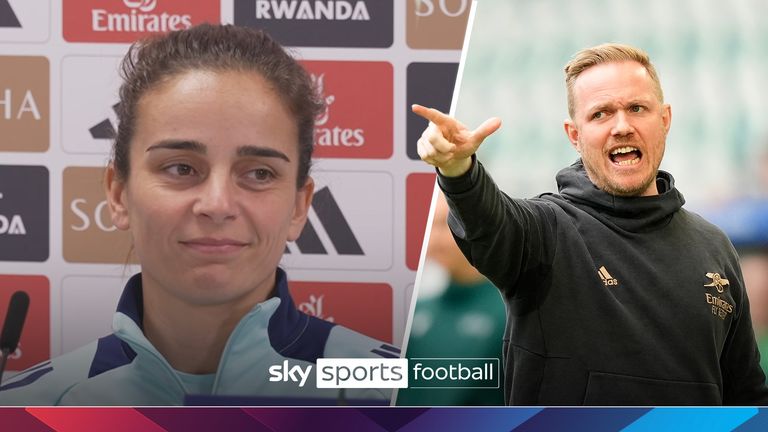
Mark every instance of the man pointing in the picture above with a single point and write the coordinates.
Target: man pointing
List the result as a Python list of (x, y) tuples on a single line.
[(616, 295)]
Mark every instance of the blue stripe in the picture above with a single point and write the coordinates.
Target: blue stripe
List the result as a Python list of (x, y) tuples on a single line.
[(758, 423), (582, 419), (293, 333), (470, 419), (131, 302), (111, 352), (28, 380), (384, 354), (693, 419)]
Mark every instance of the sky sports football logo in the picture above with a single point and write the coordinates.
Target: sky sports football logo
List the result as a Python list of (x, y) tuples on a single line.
[(127, 20), (425, 373)]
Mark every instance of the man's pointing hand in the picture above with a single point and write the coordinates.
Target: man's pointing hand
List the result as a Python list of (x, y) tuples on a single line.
[(449, 145)]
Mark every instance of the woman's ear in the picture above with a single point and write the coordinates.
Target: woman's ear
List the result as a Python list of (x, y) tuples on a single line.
[(116, 198), (301, 209)]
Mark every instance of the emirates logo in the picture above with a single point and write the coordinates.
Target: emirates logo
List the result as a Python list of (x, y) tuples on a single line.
[(142, 5), (126, 20)]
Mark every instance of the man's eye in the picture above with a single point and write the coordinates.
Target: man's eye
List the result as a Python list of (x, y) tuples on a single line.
[(180, 170), (598, 115), (636, 108)]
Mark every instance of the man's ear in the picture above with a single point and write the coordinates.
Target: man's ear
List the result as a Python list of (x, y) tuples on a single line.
[(572, 132), (301, 209), (666, 116), (116, 198)]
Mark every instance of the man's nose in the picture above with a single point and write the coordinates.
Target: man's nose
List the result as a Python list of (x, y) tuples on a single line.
[(217, 198), (622, 125)]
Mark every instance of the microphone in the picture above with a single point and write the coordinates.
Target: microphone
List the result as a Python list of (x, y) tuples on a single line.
[(14, 322)]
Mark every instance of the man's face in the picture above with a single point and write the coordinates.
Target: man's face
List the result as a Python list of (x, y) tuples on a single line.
[(619, 127), (211, 197)]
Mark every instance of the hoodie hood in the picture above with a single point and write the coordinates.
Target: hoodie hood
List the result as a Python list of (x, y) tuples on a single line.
[(635, 214)]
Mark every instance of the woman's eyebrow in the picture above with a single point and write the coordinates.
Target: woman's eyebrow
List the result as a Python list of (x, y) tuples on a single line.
[(201, 148), (191, 145), (261, 152)]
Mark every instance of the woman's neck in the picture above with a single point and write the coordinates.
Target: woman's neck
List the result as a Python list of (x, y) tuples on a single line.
[(192, 337)]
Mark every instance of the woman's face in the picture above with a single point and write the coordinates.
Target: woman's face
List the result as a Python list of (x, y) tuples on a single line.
[(211, 197)]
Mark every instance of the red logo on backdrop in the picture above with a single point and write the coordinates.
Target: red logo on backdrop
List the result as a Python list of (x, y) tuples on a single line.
[(35, 343), (128, 20), (363, 307), (418, 197), (357, 122)]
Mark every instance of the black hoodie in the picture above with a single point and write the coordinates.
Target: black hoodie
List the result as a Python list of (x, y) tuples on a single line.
[(611, 300)]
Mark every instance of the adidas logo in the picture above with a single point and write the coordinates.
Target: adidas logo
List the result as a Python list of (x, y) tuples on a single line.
[(387, 351), (608, 280), (104, 129), (335, 225), (7, 16)]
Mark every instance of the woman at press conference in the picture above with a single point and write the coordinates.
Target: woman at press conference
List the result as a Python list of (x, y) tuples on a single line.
[(210, 174)]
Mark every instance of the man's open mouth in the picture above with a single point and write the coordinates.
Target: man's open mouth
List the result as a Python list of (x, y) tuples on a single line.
[(626, 155)]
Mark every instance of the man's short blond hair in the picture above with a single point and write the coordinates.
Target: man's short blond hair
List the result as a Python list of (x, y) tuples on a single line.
[(606, 53)]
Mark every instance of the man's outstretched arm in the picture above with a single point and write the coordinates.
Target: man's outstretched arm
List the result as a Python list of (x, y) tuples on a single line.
[(504, 238)]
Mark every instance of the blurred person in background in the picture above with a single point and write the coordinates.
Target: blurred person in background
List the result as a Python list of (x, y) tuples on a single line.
[(458, 315)]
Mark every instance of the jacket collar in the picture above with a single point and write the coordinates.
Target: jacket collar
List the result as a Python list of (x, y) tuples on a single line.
[(291, 332), (635, 214)]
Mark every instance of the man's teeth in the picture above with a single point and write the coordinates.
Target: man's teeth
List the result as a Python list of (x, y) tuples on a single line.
[(627, 155), (621, 150), (628, 162)]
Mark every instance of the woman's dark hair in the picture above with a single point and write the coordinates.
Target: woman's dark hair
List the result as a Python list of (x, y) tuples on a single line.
[(152, 61)]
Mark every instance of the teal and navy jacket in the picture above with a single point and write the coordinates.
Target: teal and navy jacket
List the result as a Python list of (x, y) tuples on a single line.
[(124, 368)]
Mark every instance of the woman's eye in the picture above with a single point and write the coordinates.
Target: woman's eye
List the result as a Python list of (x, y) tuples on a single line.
[(180, 169), (262, 174)]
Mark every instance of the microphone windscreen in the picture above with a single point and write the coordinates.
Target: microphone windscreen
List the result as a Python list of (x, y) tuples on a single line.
[(14, 321)]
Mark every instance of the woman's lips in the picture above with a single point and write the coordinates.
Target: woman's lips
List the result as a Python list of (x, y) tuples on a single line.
[(214, 246)]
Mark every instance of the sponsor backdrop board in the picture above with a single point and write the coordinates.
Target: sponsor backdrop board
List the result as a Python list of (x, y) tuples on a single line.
[(24, 99), (356, 260)]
